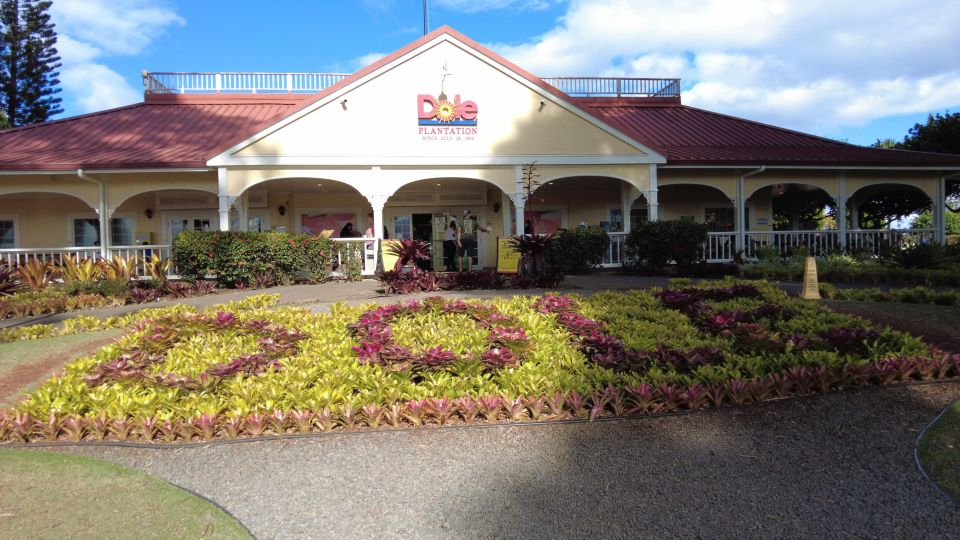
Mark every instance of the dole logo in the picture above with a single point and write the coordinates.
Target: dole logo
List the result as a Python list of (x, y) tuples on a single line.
[(434, 111)]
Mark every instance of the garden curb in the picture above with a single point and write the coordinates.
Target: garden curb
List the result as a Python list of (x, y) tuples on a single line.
[(916, 454), (477, 425)]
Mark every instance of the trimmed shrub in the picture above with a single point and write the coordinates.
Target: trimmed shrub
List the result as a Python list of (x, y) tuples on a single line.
[(578, 251), (242, 258), (653, 244)]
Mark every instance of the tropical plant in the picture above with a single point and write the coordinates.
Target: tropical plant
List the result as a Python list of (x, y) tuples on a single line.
[(119, 267), (9, 282), (36, 274), (158, 268), (409, 251), (73, 269)]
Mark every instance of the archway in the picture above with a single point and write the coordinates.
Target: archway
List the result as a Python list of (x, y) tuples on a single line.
[(703, 204), (423, 210), (882, 216), (790, 218)]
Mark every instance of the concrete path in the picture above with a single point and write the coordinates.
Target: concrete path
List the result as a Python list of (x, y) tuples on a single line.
[(838, 466)]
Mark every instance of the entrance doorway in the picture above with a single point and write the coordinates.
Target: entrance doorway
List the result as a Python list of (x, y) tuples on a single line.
[(423, 230)]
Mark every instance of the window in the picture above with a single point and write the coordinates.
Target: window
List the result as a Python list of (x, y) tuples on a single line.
[(402, 227), (86, 232), (179, 225), (254, 224), (8, 237), (616, 220), (121, 232), (719, 219)]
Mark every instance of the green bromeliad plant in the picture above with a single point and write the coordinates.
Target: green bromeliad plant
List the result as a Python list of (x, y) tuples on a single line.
[(250, 369)]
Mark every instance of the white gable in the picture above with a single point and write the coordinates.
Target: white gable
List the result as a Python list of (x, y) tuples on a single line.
[(375, 120)]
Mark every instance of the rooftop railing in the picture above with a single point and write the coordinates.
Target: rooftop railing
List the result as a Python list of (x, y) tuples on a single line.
[(312, 83), (238, 83), (616, 86)]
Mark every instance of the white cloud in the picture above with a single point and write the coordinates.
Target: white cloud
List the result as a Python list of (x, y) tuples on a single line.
[(361, 62), (813, 65), (101, 87), (90, 30)]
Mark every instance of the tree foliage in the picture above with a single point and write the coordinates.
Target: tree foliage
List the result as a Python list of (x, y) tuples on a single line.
[(941, 134), (28, 62)]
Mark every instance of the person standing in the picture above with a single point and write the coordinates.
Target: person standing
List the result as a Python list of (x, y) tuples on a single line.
[(467, 238), (450, 245)]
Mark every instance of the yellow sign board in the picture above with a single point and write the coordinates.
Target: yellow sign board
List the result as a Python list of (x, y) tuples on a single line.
[(508, 259), (389, 259)]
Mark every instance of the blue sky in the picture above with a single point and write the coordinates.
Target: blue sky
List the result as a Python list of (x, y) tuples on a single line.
[(856, 70)]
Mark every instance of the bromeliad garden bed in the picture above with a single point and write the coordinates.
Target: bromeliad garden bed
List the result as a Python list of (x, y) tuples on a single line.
[(250, 369)]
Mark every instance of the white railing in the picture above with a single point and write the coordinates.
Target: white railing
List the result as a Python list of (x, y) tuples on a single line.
[(16, 257), (720, 246), (616, 86), (613, 256), (368, 252), (876, 240), (238, 83), (786, 243)]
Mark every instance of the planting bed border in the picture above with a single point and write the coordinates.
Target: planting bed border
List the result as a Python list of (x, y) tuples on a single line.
[(365, 430)]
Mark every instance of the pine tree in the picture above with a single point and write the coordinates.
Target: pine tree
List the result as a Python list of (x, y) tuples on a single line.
[(28, 62)]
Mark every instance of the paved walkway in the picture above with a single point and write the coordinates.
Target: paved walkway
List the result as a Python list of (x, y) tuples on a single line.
[(838, 466), (357, 292)]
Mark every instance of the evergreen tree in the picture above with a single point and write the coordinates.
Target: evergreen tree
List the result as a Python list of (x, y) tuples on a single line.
[(28, 62)]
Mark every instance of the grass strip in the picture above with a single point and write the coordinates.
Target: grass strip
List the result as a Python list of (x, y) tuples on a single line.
[(56, 495)]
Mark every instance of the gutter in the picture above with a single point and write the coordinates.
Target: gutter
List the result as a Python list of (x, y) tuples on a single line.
[(741, 204), (102, 211)]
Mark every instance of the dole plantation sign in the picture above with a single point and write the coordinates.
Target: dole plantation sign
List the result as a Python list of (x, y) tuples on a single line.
[(439, 119)]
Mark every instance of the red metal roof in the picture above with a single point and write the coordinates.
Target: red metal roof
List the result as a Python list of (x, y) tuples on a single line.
[(187, 130), (164, 131), (691, 136)]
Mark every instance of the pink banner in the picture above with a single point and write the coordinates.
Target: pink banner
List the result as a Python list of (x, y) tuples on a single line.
[(317, 223), (546, 222)]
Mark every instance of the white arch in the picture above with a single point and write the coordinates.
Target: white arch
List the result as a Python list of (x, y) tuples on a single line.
[(17, 191), (148, 191), (628, 181), (310, 175), (885, 186), (774, 183)]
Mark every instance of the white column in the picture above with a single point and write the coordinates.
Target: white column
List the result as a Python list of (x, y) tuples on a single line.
[(518, 207), (628, 194), (740, 205), (854, 214), (243, 212), (506, 214), (377, 202), (939, 216), (841, 212), (226, 201), (653, 205)]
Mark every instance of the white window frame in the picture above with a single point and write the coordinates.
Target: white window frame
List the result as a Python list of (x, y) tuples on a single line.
[(15, 218)]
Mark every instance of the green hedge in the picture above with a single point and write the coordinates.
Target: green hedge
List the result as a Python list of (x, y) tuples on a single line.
[(854, 273), (239, 258), (655, 243), (578, 251)]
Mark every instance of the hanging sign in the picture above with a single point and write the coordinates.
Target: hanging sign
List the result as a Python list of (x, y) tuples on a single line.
[(508, 259)]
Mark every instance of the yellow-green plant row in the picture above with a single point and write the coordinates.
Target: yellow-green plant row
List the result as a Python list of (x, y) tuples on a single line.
[(249, 368)]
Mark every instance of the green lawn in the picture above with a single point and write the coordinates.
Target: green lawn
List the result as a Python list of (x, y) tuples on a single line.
[(940, 452), (24, 364), (55, 495)]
